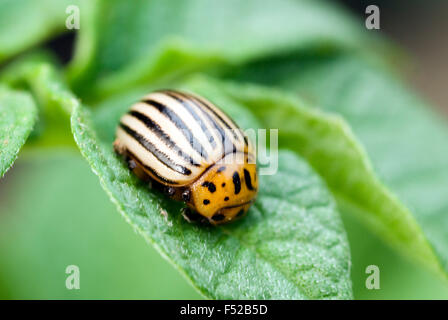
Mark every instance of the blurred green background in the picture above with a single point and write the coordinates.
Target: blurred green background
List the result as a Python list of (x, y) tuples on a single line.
[(43, 228)]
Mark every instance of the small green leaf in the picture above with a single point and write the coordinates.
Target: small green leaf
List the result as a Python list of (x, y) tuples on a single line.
[(17, 117), (36, 72), (292, 244)]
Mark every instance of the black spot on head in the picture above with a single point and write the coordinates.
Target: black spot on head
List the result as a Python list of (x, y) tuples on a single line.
[(236, 182), (248, 180), (223, 184), (221, 169), (206, 201), (226, 199), (218, 217), (210, 185), (240, 213)]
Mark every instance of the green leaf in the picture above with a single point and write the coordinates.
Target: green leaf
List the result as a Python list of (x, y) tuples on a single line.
[(401, 135), (291, 245), (168, 38), (37, 72), (25, 23), (17, 117)]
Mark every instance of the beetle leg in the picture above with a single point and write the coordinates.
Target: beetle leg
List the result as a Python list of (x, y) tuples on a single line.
[(170, 191), (190, 215), (186, 195), (131, 164)]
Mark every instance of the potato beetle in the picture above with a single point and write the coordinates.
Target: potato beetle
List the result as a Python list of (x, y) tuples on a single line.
[(189, 148)]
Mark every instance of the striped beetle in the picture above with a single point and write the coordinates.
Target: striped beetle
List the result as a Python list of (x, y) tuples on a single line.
[(192, 150)]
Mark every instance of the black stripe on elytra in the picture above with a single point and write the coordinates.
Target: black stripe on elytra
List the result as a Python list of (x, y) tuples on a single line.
[(155, 128), (156, 152), (248, 180), (226, 124), (152, 171), (236, 182), (218, 127), (185, 101), (179, 123), (245, 139)]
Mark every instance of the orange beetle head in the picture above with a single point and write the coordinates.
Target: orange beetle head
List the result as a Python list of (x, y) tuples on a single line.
[(226, 190)]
